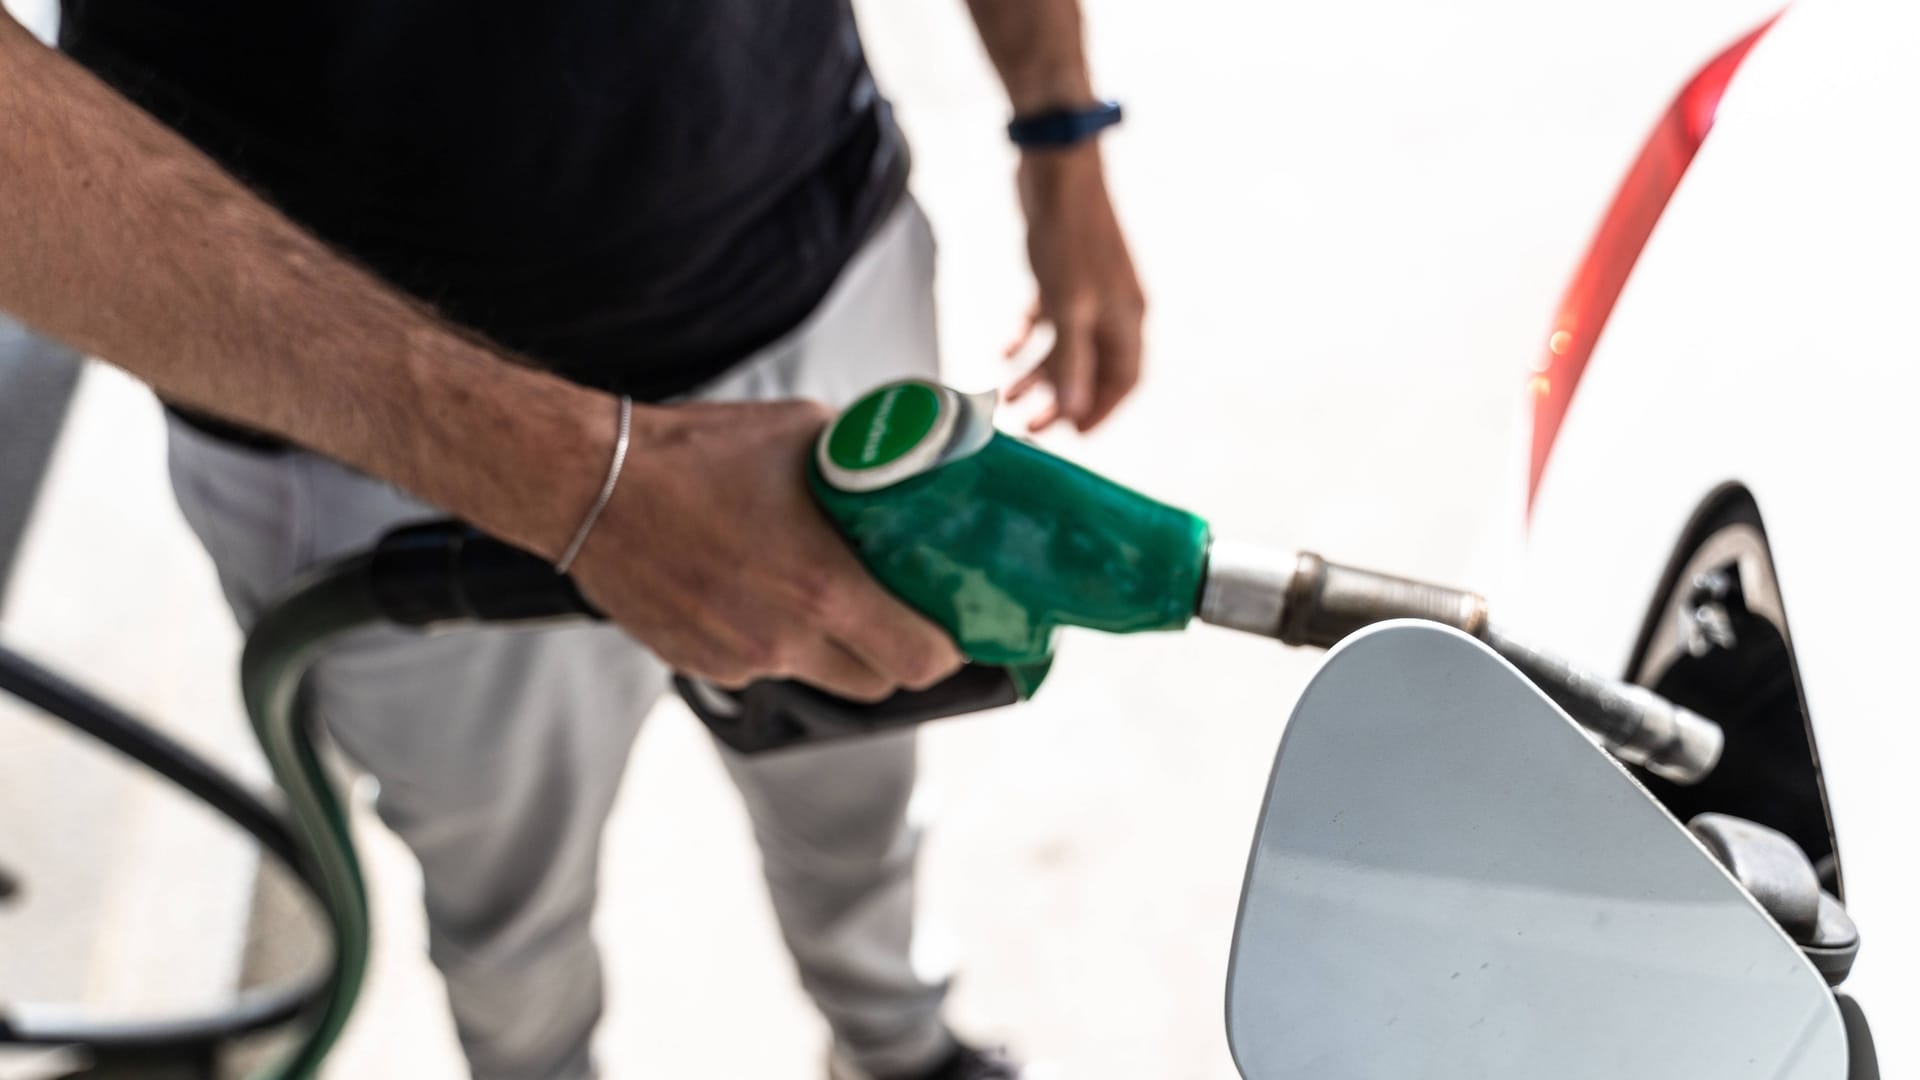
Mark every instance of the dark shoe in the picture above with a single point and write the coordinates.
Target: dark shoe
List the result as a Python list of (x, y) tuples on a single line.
[(973, 1063), (965, 1063)]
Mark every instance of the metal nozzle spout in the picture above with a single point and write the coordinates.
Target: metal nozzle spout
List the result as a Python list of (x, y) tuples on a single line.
[(1638, 725), (1677, 743), (1302, 599)]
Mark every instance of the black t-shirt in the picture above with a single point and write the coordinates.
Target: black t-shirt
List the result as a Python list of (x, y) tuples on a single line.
[(637, 193)]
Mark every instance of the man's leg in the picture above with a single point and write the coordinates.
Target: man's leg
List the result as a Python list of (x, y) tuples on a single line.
[(498, 751), (832, 822), (839, 854)]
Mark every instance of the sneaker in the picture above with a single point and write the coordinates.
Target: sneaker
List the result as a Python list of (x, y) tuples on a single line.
[(965, 1063)]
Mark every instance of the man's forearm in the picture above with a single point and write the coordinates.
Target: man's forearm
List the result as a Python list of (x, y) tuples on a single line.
[(1036, 46), (120, 238)]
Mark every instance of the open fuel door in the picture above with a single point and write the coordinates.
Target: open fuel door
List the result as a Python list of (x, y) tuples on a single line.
[(1449, 881)]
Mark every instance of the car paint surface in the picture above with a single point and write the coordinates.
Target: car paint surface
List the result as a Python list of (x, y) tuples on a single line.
[(1766, 338)]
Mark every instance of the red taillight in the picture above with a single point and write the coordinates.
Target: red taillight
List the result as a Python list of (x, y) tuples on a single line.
[(1616, 246)]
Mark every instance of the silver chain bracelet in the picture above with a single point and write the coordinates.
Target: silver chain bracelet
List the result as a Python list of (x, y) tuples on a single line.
[(565, 561)]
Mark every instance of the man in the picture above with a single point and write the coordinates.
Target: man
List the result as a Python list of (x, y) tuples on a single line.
[(390, 259)]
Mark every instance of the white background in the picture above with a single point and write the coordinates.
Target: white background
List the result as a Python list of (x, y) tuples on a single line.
[(1354, 221)]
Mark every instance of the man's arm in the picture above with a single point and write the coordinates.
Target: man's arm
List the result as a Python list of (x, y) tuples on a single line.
[(119, 237), (1089, 292), (123, 240)]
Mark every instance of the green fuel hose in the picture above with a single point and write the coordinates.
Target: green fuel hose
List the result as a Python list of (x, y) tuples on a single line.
[(291, 636), (434, 574)]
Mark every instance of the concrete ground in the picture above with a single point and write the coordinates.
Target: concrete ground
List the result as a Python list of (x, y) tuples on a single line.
[(1354, 221)]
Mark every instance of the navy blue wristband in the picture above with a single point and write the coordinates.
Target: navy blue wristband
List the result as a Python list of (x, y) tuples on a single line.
[(1058, 128)]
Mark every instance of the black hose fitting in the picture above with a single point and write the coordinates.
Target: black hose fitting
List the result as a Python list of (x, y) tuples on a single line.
[(450, 572)]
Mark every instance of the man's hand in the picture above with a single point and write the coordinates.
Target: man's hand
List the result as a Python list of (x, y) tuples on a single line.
[(1089, 294), (713, 554)]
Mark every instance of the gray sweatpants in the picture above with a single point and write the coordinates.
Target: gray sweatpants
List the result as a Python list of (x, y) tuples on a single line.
[(499, 751)]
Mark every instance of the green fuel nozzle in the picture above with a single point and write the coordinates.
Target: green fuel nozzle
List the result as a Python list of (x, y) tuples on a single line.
[(995, 539), (1003, 544)]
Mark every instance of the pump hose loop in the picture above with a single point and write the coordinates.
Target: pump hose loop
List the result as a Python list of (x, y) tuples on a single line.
[(321, 608)]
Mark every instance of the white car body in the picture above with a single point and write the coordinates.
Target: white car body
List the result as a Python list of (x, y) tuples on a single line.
[(1766, 338)]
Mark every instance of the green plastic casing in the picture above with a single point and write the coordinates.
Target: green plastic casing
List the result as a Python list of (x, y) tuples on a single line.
[(1005, 544)]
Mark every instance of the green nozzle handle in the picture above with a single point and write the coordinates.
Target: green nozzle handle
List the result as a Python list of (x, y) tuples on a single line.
[(995, 539)]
